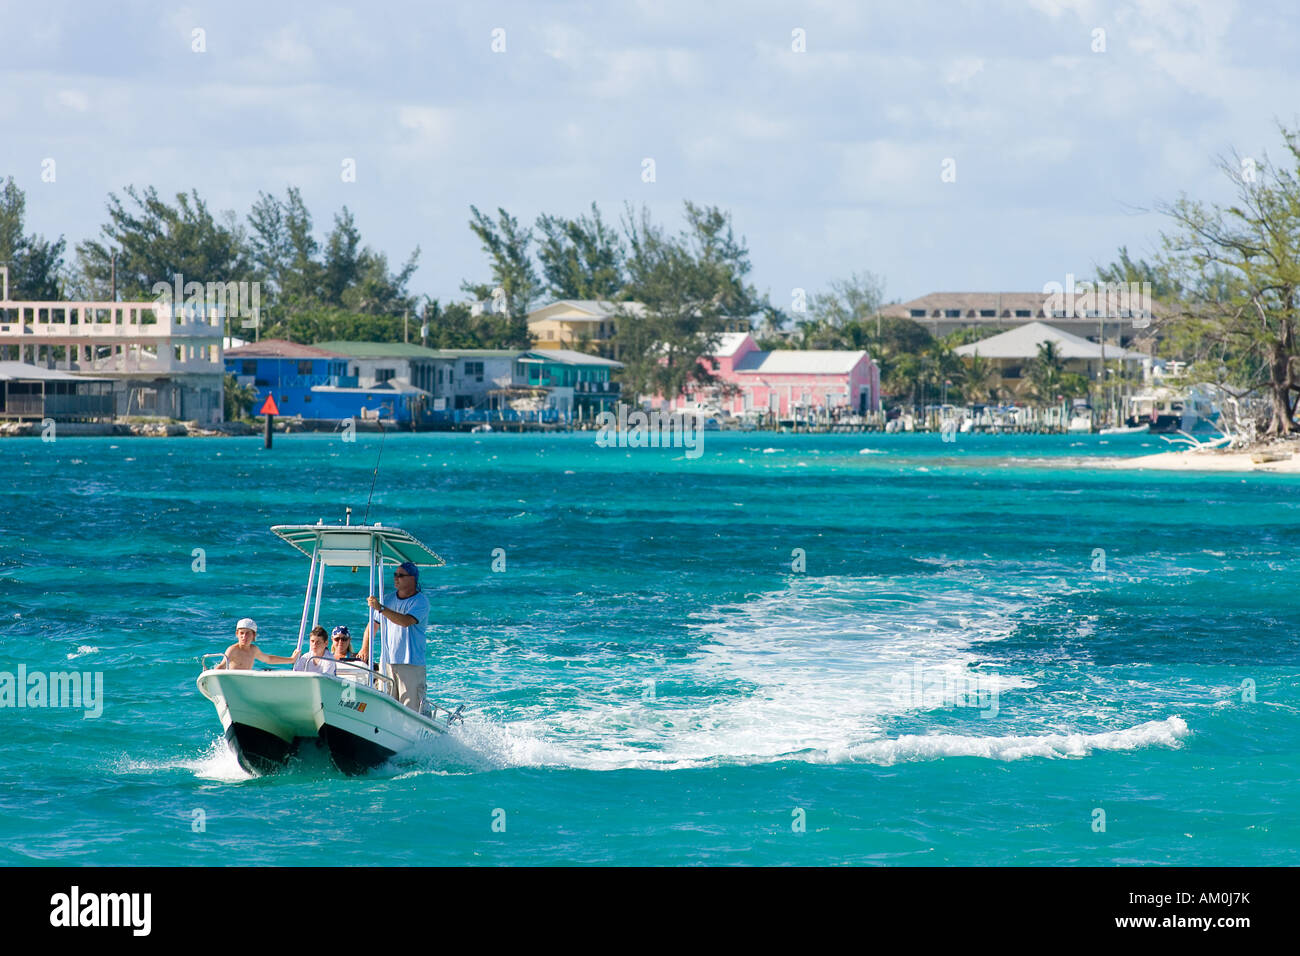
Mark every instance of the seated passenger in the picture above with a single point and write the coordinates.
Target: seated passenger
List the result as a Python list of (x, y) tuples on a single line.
[(319, 659), (343, 644), (241, 655)]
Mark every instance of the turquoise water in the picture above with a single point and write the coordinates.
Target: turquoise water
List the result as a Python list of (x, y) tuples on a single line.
[(990, 641)]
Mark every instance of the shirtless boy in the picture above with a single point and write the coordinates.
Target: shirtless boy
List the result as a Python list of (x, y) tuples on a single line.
[(240, 656)]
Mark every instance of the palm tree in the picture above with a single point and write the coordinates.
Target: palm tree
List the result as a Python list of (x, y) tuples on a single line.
[(981, 379), (1045, 373), (238, 398)]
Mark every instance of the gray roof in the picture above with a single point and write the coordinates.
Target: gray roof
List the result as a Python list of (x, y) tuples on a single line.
[(476, 353), (1003, 304), (1022, 343), (381, 350), (22, 372), (280, 348), (598, 308), (800, 362), (570, 357)]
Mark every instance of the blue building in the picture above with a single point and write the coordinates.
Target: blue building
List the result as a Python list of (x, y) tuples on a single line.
[(313, 382)]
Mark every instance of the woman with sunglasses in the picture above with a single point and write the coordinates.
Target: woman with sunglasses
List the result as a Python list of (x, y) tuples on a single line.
[(343, 644)]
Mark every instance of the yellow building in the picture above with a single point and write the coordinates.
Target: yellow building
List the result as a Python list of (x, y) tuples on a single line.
[(584, 325)]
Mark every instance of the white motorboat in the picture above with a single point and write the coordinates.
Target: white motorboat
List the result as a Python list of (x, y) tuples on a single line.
[(1167, 409), (269, 716), (1080, 417)]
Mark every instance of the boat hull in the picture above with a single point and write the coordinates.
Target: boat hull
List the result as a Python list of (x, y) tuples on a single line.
[(268, 716)]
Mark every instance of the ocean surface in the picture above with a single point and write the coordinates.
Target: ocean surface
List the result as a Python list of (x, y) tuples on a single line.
[(792, 649)]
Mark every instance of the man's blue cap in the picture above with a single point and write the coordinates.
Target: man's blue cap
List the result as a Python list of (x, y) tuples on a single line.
[(410, 569)]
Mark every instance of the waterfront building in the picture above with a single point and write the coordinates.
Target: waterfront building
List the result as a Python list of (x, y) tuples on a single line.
[(786, 383), (33, 393), (159, 364), (579, 386), (940, 313), (1012, 351), (374, 364), (428, 387), (316, 383)]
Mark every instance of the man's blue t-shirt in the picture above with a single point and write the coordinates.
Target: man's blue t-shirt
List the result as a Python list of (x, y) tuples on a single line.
[(405, 645)]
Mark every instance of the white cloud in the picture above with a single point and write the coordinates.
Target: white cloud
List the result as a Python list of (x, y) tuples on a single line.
[(286, 47), (1055, 8), (963, 69), (752, 125), (428, 121), (74, 100)]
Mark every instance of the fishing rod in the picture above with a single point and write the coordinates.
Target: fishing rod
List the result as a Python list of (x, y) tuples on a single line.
[(383, 433)]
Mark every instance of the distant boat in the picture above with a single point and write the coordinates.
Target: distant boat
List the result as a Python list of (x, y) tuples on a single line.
[(1080, 417), (1142, 429), (1165, 410)]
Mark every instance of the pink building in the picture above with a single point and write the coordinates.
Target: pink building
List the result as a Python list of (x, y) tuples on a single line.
[(787, 380)]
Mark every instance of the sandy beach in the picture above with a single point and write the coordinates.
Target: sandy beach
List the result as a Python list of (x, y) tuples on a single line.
[(1283, 458)]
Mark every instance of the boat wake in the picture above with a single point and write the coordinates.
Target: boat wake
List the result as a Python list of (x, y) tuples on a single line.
[(828, 671)]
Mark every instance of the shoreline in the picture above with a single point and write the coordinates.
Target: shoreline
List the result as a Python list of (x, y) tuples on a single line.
[(1277, 457), (1273, 457)]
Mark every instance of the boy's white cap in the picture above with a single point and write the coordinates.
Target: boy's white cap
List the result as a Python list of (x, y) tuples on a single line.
[(247, 622)]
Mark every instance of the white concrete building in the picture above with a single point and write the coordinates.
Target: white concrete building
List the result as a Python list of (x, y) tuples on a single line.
[(161, 364)]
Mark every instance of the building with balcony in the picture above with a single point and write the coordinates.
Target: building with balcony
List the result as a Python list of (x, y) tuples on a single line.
[(579, 385), (1112, 313), (583, 325), (159, 364)]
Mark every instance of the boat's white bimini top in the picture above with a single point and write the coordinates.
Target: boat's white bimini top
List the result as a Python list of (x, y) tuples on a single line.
[(351, 546)]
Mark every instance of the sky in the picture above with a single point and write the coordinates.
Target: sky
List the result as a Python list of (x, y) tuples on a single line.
[(942, 146)]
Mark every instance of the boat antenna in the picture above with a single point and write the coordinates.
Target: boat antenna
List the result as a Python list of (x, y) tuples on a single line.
[(378, 458)]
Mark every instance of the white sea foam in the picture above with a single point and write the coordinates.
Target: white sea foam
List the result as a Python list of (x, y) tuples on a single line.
[(83, 650), (915, 747), (819, 673), (217, 762)]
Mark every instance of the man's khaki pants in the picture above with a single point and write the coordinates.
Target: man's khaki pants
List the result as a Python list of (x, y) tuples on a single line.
[(410, 684)]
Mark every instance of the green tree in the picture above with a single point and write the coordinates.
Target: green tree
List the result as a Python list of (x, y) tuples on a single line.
[(238, 399), (1048, 381), (506, 245), (981, 379), (341, 291), (1241, 275), (691, 285), (581, 258), (156, 241), (34, 262), (770, 326), (454, 326), (848, 301), (1165, 284), (897, 352)]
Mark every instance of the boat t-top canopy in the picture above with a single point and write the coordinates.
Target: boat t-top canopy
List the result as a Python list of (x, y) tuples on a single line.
[(351, 546)]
